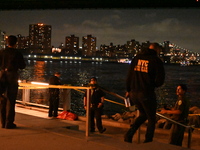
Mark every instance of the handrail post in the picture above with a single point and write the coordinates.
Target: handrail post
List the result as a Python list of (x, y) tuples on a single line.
[(188, 127), (138, 131), (88, 112), (189, 137)]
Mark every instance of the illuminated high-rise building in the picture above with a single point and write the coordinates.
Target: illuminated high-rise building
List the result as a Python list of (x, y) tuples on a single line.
[(133, 47), (107, 50), (40, 38), (2, 40), (22, 42), (166, 47), (71, 45), (89, 45)]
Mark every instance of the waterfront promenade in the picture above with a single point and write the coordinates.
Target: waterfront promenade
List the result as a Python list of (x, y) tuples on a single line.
[(36, 131)]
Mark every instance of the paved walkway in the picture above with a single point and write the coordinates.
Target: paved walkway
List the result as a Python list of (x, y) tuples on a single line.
[(35, 131)]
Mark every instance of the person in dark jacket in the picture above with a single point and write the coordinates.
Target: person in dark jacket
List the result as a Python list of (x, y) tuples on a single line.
[(180, 114), (11, 60), (96, 108), (146, 73), (54, 94)]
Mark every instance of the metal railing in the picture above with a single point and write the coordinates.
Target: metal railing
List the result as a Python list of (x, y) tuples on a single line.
[(29, 86), (183, 125)]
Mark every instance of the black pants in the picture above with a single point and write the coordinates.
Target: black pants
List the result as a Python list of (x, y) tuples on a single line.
[(53, 104), (8, 101), (146, 104), (176, 134), (95, 113)]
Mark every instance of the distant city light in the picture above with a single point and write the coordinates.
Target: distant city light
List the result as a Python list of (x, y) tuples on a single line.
[(56, 50), (40, 24)]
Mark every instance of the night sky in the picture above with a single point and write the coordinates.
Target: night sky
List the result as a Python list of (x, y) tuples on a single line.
[(177, 25)]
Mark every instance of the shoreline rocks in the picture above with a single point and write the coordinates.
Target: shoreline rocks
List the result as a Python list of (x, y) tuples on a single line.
[(129, 117)]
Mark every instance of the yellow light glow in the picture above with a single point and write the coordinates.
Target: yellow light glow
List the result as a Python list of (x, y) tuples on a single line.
[(40, 24), (39, 83)]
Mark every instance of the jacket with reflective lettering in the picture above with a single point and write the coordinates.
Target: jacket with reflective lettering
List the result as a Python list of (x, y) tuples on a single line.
[(145, 73)]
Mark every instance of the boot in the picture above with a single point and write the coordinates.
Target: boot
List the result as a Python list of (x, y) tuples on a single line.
[(129, 135)]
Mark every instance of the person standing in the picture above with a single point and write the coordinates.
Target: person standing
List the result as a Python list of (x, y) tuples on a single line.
[(11, 61), (54, 95), (180, 114), (146, 73), (96, 108)]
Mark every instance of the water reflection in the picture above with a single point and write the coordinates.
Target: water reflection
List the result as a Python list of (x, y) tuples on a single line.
[(39, 69), (39, 96), (112, 77)]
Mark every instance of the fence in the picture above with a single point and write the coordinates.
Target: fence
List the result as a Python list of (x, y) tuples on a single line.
[(26, 96), (67, 99)]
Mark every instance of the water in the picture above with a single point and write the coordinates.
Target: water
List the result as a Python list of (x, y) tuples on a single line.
[(111, 76)]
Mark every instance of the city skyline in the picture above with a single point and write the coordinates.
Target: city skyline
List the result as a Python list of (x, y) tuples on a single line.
[(179, 26)]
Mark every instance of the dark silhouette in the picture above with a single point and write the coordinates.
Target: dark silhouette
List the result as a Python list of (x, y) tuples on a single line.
[(146, 73), (54, 95), (11, 61)]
